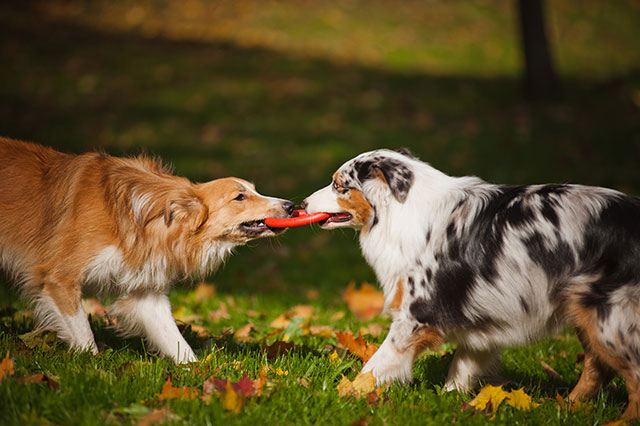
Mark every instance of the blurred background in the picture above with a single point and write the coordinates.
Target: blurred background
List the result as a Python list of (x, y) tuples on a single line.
[(283, 92)]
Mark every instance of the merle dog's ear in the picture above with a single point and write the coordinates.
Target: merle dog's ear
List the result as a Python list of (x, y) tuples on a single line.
[(397, 175), (405, 151)]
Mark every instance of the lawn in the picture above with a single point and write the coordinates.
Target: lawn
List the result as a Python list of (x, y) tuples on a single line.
[(281, 93)]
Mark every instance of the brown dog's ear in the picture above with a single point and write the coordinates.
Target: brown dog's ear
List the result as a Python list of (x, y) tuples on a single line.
[(185, 206)]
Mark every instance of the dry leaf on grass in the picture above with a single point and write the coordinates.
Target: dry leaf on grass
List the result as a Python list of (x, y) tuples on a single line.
[(157, 416), (221, 313), (357, 346), (40, 379), (321, 330), (365, 302), (573, 405), (364, 385), (490, 397), (374, 330), (203, 292), (243, 334), (234, 395), (551, 372), (278, 348), (6, 368), (169, 392), (282, 321)]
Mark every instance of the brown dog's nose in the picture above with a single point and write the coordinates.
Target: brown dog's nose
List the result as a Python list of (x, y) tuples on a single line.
[(288, 207)]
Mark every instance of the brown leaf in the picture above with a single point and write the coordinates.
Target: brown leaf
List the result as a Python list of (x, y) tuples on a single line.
[(39, 379), (243, 334), (220, 313), (374, 330), (282, 321), (6, 368), (157, 416), (321, 330), (365, 302), (203, 292), (359, 347), (277, 348), (169, 392), (551, 372)]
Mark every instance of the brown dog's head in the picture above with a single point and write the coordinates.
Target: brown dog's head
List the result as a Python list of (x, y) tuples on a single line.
[(227, 209)]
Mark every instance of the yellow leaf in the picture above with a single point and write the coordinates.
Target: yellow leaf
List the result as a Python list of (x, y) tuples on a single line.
[(6, 368), (615, 423), (231, 400), (365, 302), (489, 394), (363, 384), (334, 358), (520, 400)]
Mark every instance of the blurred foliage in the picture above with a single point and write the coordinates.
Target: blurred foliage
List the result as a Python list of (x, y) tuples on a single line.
[(283, 92)]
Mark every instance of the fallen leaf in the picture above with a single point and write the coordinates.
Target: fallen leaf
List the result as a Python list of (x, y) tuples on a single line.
[(520, 400), (184, 393), (304, 382), (39, 379), (200, 330), (203, 292), (243, 334), (489, 398), (182, 314), (365, 302), (6, 368), (551, 372), (221, 313), (374, 330), (157, 416), (277, 348), (44, 340), (321, 330), (282, 321), (231, 400), (359, 347), (359, 387), (337, 316), (615, 423), (572, 405), (312, 294)]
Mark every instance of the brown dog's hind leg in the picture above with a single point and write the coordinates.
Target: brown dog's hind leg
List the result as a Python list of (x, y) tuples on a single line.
[(58, 307)]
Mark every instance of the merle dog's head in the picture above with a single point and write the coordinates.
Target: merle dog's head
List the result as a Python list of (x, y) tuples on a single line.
[(361, 186)]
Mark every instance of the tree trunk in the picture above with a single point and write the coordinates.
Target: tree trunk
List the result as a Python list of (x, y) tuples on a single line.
[(540, 79)]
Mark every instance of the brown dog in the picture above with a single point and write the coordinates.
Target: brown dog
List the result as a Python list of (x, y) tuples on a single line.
[(125, 226)]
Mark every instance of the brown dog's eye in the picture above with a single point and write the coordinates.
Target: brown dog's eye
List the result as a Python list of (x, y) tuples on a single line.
[(240, 197)]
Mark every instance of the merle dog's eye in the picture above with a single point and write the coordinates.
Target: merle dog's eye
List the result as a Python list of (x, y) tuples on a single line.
[(240, 197), (336, 186)]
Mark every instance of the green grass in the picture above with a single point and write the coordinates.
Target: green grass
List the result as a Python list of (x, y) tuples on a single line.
[(282, 94)]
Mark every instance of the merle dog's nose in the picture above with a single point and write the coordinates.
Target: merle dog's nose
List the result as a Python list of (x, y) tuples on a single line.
[(288, 207), (303, 205)]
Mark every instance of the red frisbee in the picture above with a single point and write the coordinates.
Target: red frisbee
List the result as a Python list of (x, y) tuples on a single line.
[(298, 218)]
